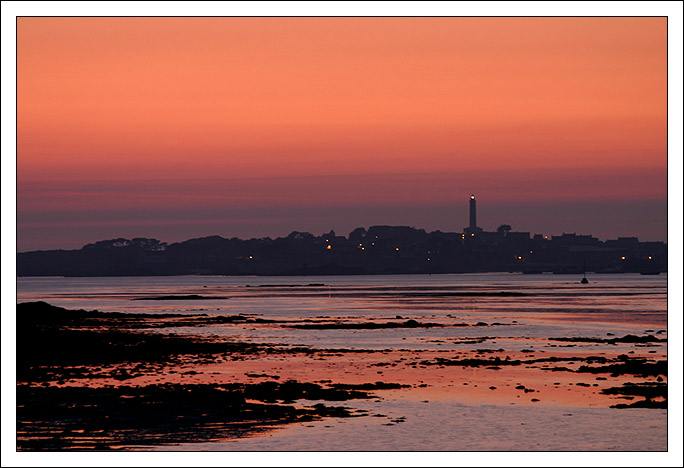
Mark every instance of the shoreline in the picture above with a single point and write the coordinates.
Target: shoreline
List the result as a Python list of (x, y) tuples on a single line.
[(287, 383)]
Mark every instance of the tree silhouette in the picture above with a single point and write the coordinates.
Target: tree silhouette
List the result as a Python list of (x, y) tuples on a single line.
[(504, 229)]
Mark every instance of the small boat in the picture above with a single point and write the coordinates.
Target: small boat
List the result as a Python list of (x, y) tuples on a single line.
[(584, 277)]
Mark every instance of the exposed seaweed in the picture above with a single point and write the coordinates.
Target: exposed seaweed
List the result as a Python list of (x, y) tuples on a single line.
[(109, 418), (624, 339)]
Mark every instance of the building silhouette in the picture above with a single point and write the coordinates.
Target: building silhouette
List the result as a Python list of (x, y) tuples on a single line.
[(378, 249), (472, 229)]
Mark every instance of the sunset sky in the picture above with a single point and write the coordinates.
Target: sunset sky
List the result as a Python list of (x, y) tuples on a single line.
[(176, 128)]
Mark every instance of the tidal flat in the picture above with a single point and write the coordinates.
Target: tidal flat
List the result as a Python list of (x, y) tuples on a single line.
[(215, 363)]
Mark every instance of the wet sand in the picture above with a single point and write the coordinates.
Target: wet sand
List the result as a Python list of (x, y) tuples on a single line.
[(108, 381)]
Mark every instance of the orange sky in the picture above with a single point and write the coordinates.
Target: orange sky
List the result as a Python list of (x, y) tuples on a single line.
[(125, 101)]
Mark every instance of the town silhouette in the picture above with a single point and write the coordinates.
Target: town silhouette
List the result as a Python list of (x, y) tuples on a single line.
[(376, 250)]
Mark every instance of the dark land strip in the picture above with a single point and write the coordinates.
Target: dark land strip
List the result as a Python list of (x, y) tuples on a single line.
[(34, 315), (621, 365), (81, 418), (654, 394), (376, 325), (370, 294), (179, 297), (624, 339)]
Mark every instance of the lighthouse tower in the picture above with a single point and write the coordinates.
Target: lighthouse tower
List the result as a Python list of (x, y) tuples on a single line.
[(473, 213), (472, 229)]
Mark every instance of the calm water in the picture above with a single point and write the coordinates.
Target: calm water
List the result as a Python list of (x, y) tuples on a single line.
[(552, 306), (643, 298)]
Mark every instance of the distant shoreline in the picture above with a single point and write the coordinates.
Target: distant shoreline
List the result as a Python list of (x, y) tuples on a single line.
[(516, 273), (378, 250)]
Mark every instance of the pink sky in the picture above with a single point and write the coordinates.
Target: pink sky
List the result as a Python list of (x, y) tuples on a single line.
[(183, 127)]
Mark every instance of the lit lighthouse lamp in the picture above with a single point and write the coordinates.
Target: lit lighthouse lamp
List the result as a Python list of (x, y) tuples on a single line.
[(472, 229)]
